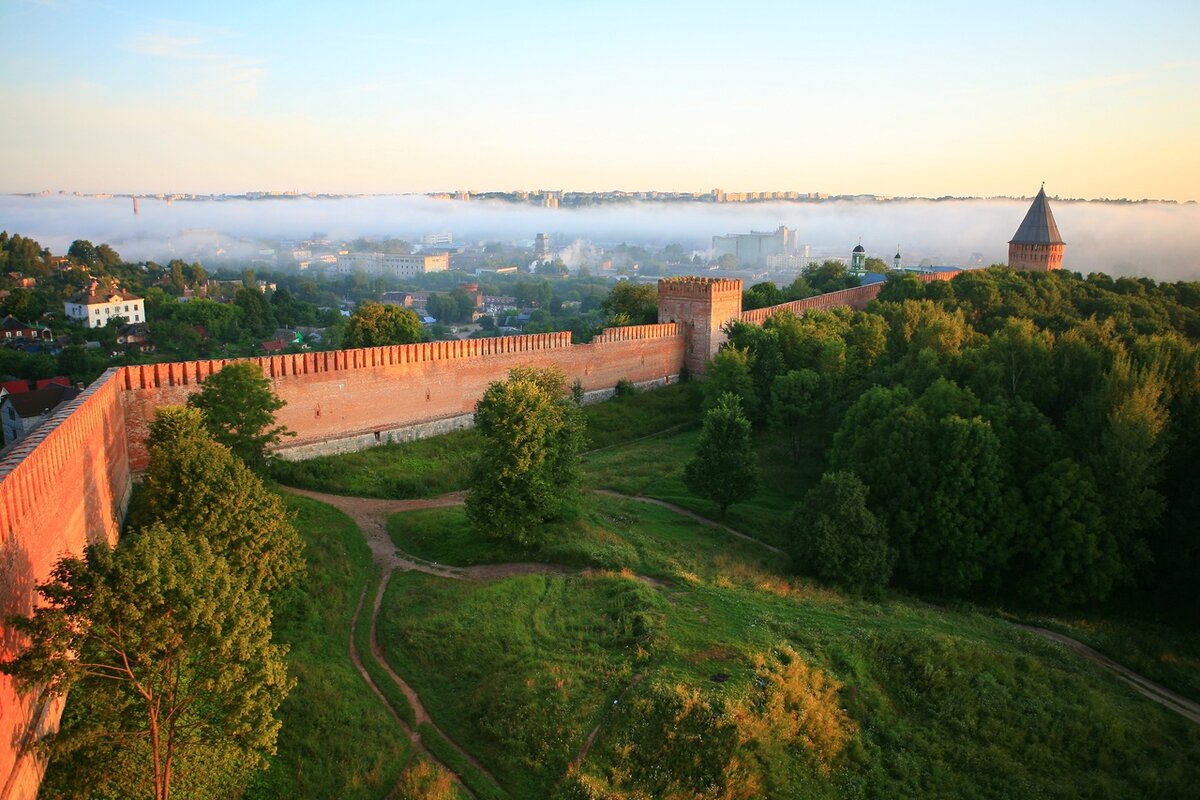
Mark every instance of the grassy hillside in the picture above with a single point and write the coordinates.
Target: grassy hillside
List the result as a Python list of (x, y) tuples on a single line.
[(337, 740), (430, 467), (719, 676)]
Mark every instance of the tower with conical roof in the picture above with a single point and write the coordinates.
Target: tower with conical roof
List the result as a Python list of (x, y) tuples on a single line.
[(1037, 245), (858, 258)]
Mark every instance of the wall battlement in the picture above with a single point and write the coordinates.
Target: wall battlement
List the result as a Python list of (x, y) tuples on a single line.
[(632, 332), (67, 485), (189, 373), (698, 287)]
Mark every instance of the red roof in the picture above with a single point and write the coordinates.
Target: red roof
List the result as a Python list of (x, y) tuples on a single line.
[(60, 380), (273, 345), (15, 387)]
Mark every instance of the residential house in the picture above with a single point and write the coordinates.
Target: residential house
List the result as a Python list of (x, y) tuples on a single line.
[(12, 328), (22, 412), (97, 305), (135, 336)]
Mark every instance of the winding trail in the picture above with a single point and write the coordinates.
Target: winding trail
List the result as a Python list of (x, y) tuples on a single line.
[(1146, 687), (371, 516), (692, 515)]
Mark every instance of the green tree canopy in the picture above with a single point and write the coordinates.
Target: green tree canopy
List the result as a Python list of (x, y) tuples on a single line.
[(193, 483), (529, 470), (168, 656), (377, 325), (637, 302), (724, 469), (836, 537), (239, 411)]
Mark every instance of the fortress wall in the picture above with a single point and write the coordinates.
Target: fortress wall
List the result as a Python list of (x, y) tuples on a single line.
[(61, 488), (365, 395), (856, 298)]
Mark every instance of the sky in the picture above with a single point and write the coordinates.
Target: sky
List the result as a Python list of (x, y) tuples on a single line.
[(1097, 99)]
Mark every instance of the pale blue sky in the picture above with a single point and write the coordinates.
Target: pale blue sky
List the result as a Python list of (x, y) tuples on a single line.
[(1097, 99)]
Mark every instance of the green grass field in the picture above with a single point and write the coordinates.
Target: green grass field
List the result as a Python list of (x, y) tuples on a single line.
[(942, 703), (654, 468), (337, 740), (429, 467), (607, 533)]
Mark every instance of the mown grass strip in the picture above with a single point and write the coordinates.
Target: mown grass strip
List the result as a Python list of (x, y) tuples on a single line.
[(362, 640)]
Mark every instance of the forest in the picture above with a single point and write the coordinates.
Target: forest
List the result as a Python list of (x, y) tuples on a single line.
[(1024, 437)]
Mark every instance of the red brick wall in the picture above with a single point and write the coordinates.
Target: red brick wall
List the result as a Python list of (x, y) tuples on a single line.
[(64, 486), (351, 392), (856, 298)]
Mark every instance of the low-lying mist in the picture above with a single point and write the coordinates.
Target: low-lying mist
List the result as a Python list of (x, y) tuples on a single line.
[(1157, 240)]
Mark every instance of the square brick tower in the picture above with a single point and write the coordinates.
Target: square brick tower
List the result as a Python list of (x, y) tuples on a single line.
[(702, 306), (1037, 245)]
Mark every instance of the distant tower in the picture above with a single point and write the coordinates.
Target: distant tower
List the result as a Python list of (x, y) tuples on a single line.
[(858, 258), (1037, 246), (896, 260), (541, 247)]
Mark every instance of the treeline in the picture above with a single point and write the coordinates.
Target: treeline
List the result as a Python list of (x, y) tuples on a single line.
[(1028, 437), (815, 279)]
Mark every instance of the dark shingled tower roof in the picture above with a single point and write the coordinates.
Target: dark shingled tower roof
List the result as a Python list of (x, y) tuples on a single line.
[(1039, 226)]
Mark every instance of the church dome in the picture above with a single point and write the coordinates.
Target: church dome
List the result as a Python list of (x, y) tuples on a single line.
[(860, 249)]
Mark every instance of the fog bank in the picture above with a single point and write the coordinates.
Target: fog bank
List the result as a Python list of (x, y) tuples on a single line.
[(1161, 241)]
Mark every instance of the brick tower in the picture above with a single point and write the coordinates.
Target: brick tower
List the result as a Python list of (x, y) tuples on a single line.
[(1037, 245), (702, 306)]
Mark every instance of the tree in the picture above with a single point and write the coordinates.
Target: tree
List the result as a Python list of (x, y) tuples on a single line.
[(82, 251), (529, 470), (168, 656), (936, 476), (637, 301), (239, 411), (761, 295), (729, 372), (724, 469), (796, 407), (376, 325), (24, 304), (830, 276), (193, 483), (257, 315), (836, 538)]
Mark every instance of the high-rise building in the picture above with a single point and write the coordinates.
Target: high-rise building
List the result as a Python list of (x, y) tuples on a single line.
[(1037, 245), (754, 248), (541, 247)]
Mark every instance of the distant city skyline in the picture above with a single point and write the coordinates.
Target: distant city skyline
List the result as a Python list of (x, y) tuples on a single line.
[(928, 99)]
